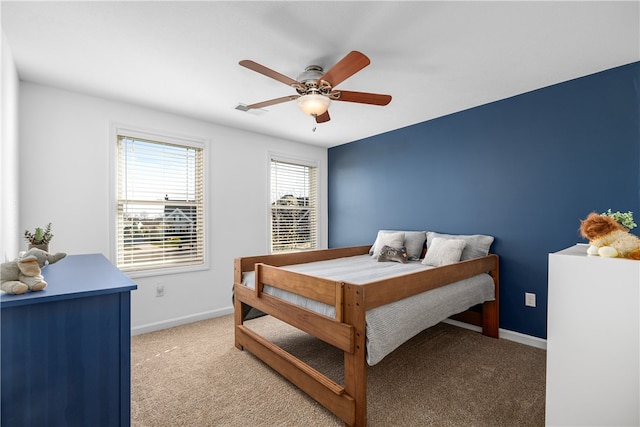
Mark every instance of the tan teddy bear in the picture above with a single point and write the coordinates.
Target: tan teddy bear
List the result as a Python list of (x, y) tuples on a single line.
[(608, 238), (24, 273)]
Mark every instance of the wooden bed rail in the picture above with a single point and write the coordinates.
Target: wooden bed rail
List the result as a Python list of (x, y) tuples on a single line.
[(318, 289), (330, 330), (381, 292), (291, 258)]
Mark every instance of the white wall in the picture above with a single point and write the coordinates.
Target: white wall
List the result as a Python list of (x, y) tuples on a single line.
[(9, 226), (65, 179)]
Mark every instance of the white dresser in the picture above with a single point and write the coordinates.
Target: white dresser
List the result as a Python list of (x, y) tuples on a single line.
[(593, 340)]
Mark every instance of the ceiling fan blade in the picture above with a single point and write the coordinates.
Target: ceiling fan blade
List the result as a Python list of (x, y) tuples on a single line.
[(273, 102), (362, 97), (345, 68), (323, 118), (254, 66)]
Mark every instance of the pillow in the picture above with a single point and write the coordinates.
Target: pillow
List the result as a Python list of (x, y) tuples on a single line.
[(413, 242), (387, 253), (444, 251), (395, 239), (477, 244)]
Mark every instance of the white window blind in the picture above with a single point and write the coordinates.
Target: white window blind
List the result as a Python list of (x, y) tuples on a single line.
[(293, 206), (160, 196)]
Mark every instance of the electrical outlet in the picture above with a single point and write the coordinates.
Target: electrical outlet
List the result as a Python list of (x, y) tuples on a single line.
[(159, 290), (529, 299)]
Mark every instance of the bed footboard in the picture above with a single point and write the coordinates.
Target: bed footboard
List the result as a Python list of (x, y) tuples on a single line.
[(346, 402), (347, 330)]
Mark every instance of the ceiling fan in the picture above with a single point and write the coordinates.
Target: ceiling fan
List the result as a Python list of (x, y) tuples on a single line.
[(316, 88)]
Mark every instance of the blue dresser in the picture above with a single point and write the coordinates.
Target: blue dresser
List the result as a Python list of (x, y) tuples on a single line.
[(66, 351)]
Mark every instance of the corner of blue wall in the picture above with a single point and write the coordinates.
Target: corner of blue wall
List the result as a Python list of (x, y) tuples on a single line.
[(525, 170)]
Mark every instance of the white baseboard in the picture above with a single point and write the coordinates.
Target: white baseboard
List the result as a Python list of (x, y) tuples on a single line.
[(165, 324), (523, 339), (506, 334)]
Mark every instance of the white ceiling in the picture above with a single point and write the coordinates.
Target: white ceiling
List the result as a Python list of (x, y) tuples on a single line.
[(434, 58)]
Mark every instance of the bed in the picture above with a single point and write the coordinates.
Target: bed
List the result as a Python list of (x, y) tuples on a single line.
[(365, 308)]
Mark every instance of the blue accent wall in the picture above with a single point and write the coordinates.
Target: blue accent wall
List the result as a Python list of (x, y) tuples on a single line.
[(524, 169)]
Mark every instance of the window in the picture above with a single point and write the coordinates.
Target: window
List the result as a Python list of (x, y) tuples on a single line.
[(160, 203), (293, 206)]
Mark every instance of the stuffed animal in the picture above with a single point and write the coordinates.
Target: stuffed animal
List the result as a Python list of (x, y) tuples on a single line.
[(388, 253), (608, 238), (24, 274)]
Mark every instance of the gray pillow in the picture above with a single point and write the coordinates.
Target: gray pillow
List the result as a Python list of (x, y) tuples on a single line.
[(388, 238), (477, 244), (443, 252), (413, 242)]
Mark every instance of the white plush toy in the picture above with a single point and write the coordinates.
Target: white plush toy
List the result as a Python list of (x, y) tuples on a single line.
[(24, 274)]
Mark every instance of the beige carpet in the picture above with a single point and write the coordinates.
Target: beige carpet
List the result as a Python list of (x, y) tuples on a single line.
[(192, 375)]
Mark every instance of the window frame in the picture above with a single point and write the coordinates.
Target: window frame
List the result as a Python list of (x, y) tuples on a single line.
[(160, 136), (300, 161)]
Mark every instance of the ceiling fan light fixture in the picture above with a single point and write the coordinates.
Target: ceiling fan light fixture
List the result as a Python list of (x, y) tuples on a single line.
[(314, 104)]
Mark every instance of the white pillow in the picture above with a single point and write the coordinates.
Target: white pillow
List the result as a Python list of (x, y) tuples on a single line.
[(444, 251), (389, 238), (477, 244)]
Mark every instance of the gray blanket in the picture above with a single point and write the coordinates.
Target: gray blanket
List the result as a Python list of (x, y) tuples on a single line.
[(390, 325)]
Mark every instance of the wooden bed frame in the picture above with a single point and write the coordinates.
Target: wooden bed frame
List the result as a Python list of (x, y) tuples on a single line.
[(347, 330)]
